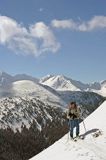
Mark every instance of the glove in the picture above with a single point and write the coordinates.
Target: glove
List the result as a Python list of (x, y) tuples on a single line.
[(70, 114), (74, 116)]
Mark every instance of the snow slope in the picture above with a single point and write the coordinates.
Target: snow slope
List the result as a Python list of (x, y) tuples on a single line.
[(59, 83), (18, 111), (30, 88), (102, 91), (90, 148)]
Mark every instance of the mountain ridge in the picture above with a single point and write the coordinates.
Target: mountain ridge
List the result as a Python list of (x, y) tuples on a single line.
[(58, 83), (63, 83)]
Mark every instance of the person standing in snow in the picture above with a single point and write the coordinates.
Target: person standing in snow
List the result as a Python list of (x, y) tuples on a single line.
[(73, 116)]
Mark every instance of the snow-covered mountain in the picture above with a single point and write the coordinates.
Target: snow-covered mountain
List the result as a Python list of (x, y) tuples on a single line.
[(93, 147), (62, 83), (20, 99), (59, 83), (59, 93), (6, 78), (102, 90), (20, 77), (24, 85), (34, 113), (30, 88), (18, 111), (27, 126)]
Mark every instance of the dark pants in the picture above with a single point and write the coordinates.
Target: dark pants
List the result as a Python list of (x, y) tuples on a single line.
[(72, 124)]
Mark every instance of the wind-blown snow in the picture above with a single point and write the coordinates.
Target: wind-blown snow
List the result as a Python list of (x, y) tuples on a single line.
[(88, 149)]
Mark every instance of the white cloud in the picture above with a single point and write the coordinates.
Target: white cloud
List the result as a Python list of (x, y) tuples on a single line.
[(23, 45), (97, 22), (39, 38), (26, 41), (9, 28), (64, 24), (44, 33)]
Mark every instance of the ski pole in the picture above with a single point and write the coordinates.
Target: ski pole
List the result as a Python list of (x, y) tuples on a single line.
[(84, 126), (69, 125), (68, 134), (83, 122)]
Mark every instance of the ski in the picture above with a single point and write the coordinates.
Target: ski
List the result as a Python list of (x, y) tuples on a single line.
[(75, 139)]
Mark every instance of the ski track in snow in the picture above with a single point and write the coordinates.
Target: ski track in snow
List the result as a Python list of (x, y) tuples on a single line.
[(92, 147), (81, 150), (88, 149)]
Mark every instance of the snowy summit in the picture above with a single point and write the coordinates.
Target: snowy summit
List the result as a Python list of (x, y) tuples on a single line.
[(63, 83)]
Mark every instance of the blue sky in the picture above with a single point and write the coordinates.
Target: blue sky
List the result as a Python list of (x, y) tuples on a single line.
[(40, 37)]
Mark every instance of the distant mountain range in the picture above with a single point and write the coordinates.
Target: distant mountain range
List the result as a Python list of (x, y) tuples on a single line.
[(58, 82), (53, 90), (47, 88), (62, 83)]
